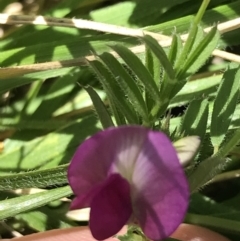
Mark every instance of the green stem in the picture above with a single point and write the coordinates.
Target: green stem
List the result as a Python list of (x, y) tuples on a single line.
[(39, 179), (201, 11), (226, 176), (13, 206)]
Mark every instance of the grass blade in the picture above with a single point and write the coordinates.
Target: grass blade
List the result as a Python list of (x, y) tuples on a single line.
[(195, 119), (100, 108), (224, 105)]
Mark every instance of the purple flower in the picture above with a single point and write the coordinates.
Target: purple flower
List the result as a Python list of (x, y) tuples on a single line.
[(129, 174)]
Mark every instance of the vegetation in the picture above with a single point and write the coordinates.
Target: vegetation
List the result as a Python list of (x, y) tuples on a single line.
[(167, 65)]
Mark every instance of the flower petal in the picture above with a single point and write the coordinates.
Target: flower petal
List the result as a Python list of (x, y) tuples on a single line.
[(111, 208), (100, 156), (148, 161), (161, 194), (187, 148), (84, 200)]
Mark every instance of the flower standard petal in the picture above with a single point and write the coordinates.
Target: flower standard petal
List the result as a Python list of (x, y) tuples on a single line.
[(111, 208), (161, 194), (89, 167)]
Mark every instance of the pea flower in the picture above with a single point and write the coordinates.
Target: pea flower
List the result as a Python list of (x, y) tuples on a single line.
[(129, 174)]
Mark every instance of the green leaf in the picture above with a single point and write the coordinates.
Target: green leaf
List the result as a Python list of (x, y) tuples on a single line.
[(191, 36), (11, 207), (198, 39), (77, 47), (175, 49), (136, 13), (153, 65), (168, 81), (64, 8), (195, 119), (114, 93), (220, 224), (47, 218), (58, 93), (100, 108), (46, 151), (135, 64), (35, 179), (224, 105), (229, 144), (205, 171), (10, 123), (196, 58), (200, 54), (205, 205), (128, 85), (118, 115), (185, 9), (160, 54), (196, 89), (6, 85), (81, 46), (31, 102), (167, 84)]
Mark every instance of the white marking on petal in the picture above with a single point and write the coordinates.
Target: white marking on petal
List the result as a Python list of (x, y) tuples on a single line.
[(127, 153)]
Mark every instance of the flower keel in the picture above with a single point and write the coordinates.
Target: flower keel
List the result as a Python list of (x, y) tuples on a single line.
[(111, 207)]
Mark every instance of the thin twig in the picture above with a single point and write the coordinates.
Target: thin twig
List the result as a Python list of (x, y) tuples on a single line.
[(226, 55), (102, 27), (226, 176), (164, 41), (11, 230), (77, 23)]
